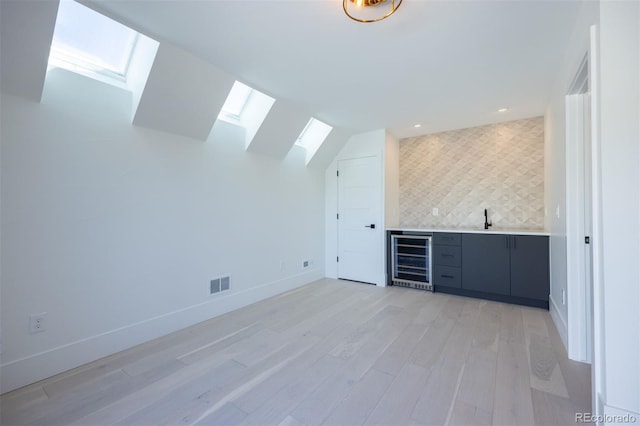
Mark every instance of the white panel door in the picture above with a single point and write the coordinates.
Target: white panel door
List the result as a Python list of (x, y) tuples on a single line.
[(360, 229)]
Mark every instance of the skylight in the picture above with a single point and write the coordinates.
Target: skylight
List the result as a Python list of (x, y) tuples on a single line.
[(246, 107), (85, 41), (313, 135), (236, 101)]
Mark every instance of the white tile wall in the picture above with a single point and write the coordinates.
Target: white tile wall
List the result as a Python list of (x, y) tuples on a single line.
[(499, 167)]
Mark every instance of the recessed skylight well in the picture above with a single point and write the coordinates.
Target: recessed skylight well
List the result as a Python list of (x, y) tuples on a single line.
[(312, 137), (86, 42), (246, 107), (236, 102)]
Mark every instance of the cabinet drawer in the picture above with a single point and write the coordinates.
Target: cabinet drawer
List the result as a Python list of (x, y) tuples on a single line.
[(447, 276), (446, 239), (447, 255)]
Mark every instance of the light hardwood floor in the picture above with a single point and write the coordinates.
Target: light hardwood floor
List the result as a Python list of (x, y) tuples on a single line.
[(331, 352)]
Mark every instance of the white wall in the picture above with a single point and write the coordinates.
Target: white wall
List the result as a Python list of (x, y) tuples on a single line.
[(360, 145), (555, 160), (139, 68), (115, 230), (391, 181), (620, 209), (617, 361)]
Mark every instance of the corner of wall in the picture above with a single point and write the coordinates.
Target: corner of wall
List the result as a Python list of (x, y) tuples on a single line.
[(559, 321), (391, 181), (548, 153), (140, 66), (331, 227)]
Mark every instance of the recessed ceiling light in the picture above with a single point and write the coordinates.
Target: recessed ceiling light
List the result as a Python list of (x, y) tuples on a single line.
[(417, 125), (503, 110)]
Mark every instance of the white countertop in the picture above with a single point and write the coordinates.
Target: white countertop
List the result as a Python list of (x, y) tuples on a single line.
[(491, 230)]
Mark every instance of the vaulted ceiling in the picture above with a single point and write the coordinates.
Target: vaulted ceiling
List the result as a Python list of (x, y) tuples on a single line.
[(443, 64)]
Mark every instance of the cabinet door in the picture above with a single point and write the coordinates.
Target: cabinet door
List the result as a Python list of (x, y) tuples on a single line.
[(446, 256), (446, 276), (530, 266), (446, 239), (485, 263)]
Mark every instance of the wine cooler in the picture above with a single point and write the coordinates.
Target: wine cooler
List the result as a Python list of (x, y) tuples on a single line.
[(411, 261)]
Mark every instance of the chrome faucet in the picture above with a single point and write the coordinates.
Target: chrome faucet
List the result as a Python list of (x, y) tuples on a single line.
[(487, 224)]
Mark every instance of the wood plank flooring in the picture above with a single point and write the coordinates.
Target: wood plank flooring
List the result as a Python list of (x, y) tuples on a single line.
[(334, 353)]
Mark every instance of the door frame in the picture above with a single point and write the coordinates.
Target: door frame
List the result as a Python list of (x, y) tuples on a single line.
[(579, 284), (380, 230)]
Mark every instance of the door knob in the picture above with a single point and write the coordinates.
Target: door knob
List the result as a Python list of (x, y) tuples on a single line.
[(372, 226)]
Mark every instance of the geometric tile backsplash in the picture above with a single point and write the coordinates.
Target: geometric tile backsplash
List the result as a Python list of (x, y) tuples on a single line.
[(499, 167)]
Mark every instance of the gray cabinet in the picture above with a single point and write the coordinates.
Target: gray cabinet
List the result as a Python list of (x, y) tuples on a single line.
[(447, 258), (506, 268), (510, 265), (529, 266), (447, 276), (485, 263), (446, 239)]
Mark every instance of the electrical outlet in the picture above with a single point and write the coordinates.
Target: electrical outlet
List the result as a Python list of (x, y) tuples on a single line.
[(435, 211), (37, 323)]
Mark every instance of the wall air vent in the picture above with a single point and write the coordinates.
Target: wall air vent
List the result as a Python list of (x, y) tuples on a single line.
[(225, 283), (220, 284)]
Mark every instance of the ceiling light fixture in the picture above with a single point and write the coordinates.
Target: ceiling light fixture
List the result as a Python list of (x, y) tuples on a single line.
[(417, 125), (370, 10), (503, 110)]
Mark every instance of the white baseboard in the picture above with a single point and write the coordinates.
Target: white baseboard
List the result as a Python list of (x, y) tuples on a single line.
[(24, 371), (561, 324), (618, 415), (606, 414)]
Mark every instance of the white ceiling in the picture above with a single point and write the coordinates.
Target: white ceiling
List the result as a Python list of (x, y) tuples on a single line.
[(444, 64)]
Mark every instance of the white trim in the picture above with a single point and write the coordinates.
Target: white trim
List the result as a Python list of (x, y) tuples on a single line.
[(626, 416), (559, 322), (30, 369), (103, 77), (578, 287), (598, 378)]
